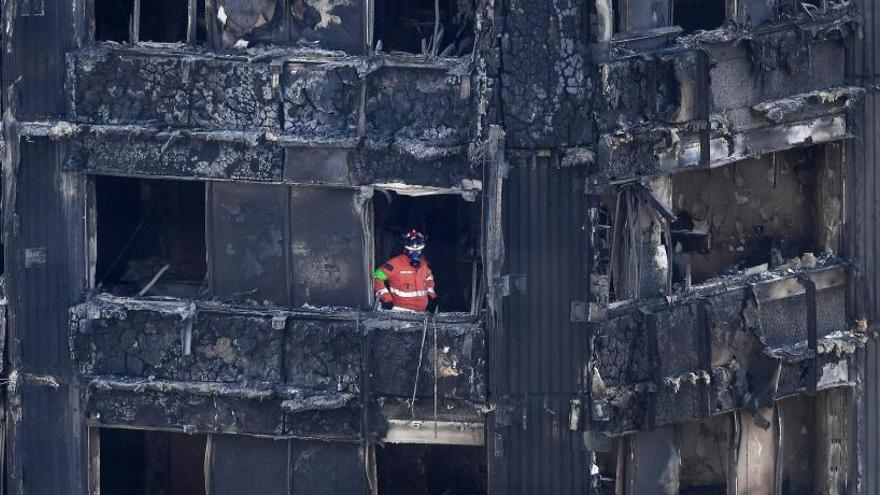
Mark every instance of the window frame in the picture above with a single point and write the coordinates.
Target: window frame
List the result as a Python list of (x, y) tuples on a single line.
[(478, 289)]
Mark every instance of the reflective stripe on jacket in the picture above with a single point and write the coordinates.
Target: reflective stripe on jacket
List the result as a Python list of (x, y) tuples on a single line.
[(408, 286)]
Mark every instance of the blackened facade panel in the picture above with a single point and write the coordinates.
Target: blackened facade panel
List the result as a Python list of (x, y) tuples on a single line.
[(40, 37), (45, 443), (327, 468), (544, 229), (241, 464), (46, 438), (45, 282), (541, 346), (869, 431), (327, 247), (863, 224), (318, 166), (249, 232)]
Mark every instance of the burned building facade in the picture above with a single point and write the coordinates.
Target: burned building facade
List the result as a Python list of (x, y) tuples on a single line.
[(652, 225)]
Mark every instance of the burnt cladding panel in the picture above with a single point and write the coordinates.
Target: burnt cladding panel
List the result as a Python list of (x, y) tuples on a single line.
[(784, 321), (44, 445), (249, 232), (539, 351), (537, 452), (327, 468), (317, 166), (544, 229), (863, 235), (42, 32), (327, 247), (45, 280), (241, 464)]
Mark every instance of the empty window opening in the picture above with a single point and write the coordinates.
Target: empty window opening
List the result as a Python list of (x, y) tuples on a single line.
[(705, 456), (409, 25), (136, 462), (606, 462), (415, 469), (113, 20), (772, 212), (451, 225), (797, 416), (816, 441), (150, 236), (632, 16), (164, 20), (200, 22), (697, 15)]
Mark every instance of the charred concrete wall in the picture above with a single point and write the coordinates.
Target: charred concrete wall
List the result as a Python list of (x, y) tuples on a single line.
[(287, 374)]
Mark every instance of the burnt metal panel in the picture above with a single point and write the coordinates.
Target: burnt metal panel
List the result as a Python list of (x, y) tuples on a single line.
[(544, 229), (242, 464), (44, 448), (532, 450), (538, 353), (381, 164), (862, 241), (652, 463), (318, 165), (48, 256), (249, 228), (327, 468), (327, 247), (784, 321), (144, 407), (33, 64)]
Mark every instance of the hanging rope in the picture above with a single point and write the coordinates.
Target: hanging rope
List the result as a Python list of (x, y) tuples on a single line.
[(436, 372), (412, 403)]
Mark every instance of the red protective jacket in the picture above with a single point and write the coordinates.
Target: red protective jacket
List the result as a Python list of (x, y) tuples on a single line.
[(408, 287)]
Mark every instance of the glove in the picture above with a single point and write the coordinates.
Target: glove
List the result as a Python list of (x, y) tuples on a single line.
[(432, 305), (387, 305)]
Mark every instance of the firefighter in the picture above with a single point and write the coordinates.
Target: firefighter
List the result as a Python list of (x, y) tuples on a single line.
[(405, 282)]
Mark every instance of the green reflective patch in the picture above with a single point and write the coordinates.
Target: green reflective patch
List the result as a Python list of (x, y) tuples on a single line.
[(380, 274)]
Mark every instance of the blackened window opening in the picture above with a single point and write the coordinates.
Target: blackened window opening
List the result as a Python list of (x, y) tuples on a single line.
[(408, 26), (451, 225), (201, 23), (113, 20), (136, 462), (696, 15), (144, 226), (164, 20), (416, 469), (771, 212), (633, 16), (705, 456)]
